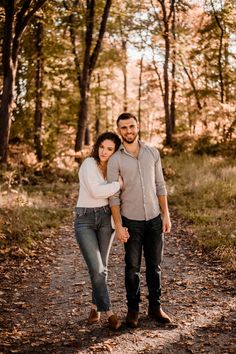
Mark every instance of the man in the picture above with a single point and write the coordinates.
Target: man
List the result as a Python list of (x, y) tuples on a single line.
[(140, 215)]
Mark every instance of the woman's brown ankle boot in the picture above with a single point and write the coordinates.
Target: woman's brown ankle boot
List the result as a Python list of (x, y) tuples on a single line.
[(94, 316)]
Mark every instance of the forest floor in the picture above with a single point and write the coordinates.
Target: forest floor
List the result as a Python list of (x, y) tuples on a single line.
[(45, 297)]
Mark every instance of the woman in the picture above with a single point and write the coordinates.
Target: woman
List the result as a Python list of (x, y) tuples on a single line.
[(93, 223)]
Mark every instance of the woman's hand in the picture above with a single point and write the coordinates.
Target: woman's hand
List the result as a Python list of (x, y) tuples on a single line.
[(122, 234)]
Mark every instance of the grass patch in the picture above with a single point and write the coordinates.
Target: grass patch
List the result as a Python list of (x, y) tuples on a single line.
[(203, 190), (33, 205), (23, 226)]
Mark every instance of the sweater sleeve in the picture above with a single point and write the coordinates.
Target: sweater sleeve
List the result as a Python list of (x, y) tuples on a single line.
[(89, 174)]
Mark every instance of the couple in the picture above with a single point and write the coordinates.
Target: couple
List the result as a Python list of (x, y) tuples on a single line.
[(132, 183)]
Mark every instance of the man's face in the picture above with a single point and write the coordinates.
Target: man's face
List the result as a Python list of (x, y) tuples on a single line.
[(128, 130)]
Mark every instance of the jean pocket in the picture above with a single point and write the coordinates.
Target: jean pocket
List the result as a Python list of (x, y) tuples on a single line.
[(80, 212), (107, 210)]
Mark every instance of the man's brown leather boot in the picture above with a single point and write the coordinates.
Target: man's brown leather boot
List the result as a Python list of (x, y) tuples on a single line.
[(132, 319), (159, 315)]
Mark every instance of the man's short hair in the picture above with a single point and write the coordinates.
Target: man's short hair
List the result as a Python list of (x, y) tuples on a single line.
[(124, 116)]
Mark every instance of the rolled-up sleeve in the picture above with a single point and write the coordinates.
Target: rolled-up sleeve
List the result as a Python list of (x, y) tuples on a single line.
[(113, 173), (159, 178)]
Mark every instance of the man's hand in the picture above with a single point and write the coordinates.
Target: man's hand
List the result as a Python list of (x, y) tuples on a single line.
[(165, 213), (166, 223), (122, 234)]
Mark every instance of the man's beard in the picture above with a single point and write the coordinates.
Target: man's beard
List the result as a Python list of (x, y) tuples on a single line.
[(130, 141)]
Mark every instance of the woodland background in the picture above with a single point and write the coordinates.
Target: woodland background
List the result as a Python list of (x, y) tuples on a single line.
[(69, 68)]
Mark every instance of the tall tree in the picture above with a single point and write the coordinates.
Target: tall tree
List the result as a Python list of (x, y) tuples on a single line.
[(164, 17), (38, 116), (173, 73), (220, 49), (85, 62), (17, 17), (98, 109), (124, 67), (140, 96)]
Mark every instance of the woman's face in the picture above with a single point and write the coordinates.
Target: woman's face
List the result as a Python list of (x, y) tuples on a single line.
[(105, 150)]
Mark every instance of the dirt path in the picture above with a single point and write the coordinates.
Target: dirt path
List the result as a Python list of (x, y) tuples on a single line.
[(44, 302)]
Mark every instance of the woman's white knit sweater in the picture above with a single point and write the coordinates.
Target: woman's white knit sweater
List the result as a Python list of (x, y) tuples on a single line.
[(94, 189)]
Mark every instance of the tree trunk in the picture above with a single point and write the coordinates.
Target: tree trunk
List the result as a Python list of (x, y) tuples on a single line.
[(39, 92), (166, 90), (222, 90), (140, 96), (172, 102), (166, 102), (98, 107), (220, 66), (226, 80), (82, 120), (87, 135), (14, 26), (6, 112), (166, 18), (124, 70), (107, 106), (9, 75), (173, 86)]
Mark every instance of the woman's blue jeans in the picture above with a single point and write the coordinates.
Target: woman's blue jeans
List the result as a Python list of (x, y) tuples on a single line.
[(93, 233), (146, 236)]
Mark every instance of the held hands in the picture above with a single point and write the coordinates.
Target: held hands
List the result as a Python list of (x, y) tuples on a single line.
[(122, 234)]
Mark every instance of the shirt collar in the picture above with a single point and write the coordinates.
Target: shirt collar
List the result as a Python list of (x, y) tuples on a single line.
[(141, 143)]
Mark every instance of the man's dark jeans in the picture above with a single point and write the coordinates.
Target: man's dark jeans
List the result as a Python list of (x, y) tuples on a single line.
[(146, 236)]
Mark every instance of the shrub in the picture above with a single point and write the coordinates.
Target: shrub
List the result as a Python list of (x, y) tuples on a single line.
[(206, 145)]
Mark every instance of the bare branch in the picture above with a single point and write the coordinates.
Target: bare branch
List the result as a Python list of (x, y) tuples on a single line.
[(21, 24), (25, 7), (193, 87), (172, 6), (23, 18)]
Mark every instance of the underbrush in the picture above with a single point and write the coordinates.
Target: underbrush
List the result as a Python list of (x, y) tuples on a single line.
[(203, 145), (33, 204), (203, 190)]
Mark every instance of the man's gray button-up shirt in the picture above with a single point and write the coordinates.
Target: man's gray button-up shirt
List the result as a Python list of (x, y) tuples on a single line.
[(143, 182)]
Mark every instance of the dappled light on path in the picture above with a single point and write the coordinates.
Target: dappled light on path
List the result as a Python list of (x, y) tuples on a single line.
[(45, 302)]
